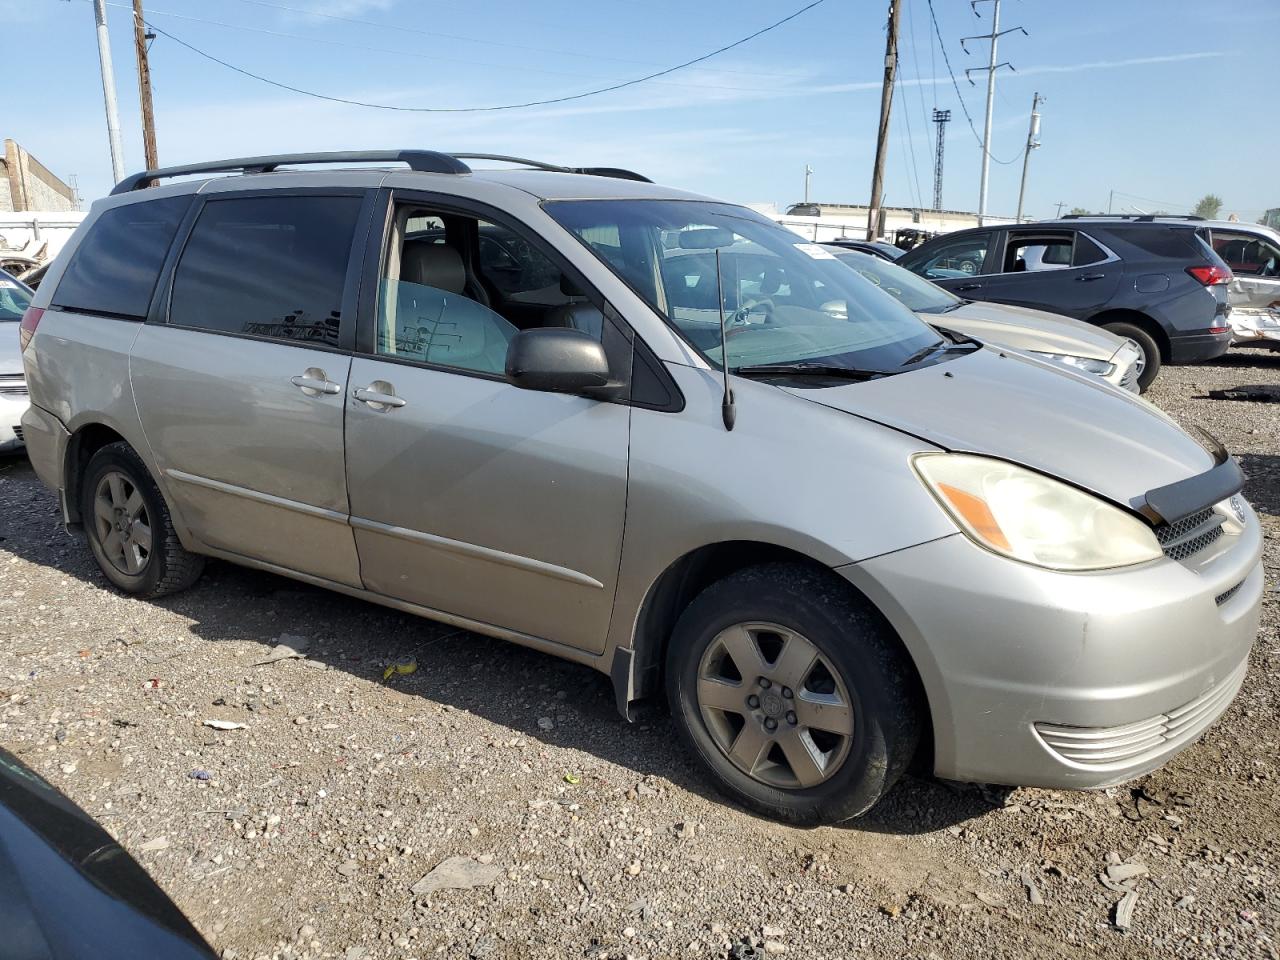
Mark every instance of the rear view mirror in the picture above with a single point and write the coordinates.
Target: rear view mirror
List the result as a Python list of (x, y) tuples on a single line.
[(557, 360), (705, 238)]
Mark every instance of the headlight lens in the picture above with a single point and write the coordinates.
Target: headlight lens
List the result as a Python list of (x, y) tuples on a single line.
[(1101, 368), (1027, 516)]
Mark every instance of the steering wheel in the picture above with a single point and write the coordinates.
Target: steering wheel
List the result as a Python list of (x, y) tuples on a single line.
[(739, 316)]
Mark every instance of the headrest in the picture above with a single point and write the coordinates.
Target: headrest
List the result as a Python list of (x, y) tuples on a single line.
[(433, 265)]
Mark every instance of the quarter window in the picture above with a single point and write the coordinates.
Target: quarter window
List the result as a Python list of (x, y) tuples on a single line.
[(267, 267), (115, 268)]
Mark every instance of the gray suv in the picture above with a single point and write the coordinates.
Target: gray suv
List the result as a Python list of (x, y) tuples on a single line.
[(1153, 282), (672, 441)]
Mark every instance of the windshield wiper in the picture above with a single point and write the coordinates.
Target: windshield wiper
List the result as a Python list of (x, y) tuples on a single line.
[(922, 353), (803, 368)]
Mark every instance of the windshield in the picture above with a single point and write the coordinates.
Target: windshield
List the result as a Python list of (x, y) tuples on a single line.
[(915, 293), (14, 300), (785, 300)]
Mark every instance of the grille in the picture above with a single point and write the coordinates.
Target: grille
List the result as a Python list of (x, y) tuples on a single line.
[(17, 432), (1226, 595), (1189, 535), (1135, 742)]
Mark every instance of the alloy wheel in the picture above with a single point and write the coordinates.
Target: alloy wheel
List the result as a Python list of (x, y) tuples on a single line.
[(774, 705), (121, 523)]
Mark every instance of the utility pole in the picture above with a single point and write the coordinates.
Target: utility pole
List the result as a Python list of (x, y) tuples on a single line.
[(808, 172), (1111, 198), (941, 118), (1032, 143), (886, 104), (140, 38), (1060, 204), (994, 38), (109, 89)]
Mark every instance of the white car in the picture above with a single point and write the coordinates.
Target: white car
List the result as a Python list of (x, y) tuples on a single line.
[(14, 299)]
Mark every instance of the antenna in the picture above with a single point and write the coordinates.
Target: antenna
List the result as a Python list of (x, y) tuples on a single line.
[(727, 410)]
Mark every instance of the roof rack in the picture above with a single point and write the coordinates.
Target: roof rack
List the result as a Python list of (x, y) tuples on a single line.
[(1136, 217), (617, 173), (424, 161), (427, 161)]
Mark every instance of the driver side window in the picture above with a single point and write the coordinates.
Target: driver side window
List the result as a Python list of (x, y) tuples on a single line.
[(963, 257)]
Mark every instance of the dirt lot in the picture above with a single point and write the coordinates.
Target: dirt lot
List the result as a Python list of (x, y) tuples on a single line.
[(344, 790)]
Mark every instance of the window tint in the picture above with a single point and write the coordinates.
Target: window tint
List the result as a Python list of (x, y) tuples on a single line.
[(959, 258), (1159, 240), (1247, 254), (516, 268), (1087, 252), (268, 267), (13, 299), (115, 268)]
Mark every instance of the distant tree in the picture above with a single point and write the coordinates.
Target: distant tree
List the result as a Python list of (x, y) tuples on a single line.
[(1209, 207), (1079, 212)]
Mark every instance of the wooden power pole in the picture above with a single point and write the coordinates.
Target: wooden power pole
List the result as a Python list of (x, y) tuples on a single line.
[(886, 105), (144, 87)]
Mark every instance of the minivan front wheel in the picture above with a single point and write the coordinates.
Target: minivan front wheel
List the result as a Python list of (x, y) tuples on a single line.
[(794, 692), (1150, 361), (128, 526)]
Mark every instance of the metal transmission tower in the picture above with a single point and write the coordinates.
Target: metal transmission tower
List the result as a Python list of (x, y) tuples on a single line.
[(941, 118), (991, 68)]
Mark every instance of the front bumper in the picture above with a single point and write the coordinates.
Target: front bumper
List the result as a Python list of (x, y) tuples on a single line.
[(1196, 347), (12, 407), (1256, 329), (1019, 663)]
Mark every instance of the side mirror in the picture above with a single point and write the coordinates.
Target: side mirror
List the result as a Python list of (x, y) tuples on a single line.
[(557, 360)]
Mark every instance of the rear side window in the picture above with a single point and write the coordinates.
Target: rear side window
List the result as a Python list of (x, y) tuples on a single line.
[(267, 267), (115, 268), (1161, 241)]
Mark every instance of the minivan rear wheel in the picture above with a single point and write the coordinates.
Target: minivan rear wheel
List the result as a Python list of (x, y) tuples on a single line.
[(128, 526), (1146, 343), (794, 692)]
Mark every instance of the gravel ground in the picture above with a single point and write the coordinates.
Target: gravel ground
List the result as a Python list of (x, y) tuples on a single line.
[(589, 837)]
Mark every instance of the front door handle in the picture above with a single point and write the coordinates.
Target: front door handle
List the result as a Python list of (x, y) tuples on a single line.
[(969, 286), (1091, 276), (380, 395), (315, 382)]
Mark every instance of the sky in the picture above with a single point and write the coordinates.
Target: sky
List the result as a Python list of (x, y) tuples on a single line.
[(1147, 98)]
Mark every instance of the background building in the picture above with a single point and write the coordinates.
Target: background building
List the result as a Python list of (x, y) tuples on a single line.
[(26, 184)]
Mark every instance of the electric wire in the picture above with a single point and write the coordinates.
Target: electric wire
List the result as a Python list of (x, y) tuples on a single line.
[(495, 107)]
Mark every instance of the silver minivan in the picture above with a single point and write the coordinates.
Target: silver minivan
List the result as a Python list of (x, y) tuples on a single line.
[(655, 434)]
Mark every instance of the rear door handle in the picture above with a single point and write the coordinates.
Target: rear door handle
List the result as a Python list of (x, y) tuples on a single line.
[(315, 382), (1091, 276), (969, 286), (379, 394)]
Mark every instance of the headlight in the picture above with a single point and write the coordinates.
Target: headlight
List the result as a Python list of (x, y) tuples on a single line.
[(1101, 368), (1027, 516)]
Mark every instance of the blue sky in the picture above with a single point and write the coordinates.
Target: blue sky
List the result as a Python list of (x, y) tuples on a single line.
[(1155, 100)]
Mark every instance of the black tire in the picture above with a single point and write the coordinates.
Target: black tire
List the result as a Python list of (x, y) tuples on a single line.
[(882, 685), (1147, 343), (167, 567)]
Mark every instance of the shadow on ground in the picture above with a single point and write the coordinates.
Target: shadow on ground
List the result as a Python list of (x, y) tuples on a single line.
[(1262, 480), (504, 683)]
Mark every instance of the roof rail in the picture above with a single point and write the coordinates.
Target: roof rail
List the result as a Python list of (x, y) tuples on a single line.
[(427, 161), (616, 172), (1136, 217)]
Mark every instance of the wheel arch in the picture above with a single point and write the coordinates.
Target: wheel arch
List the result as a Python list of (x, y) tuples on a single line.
[(637, 671), (85, 441), (1140, 320)]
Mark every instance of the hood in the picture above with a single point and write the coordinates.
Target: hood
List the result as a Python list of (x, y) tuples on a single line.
[(1063, 424), (10, 351), (1022, 328)]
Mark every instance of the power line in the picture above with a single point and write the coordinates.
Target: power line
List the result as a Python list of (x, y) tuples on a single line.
[(911, 149), (405, 28), (490, 109), (409, 53)]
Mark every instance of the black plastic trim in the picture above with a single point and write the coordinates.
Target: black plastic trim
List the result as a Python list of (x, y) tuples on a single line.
[(1170, 503), (425, 161)]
